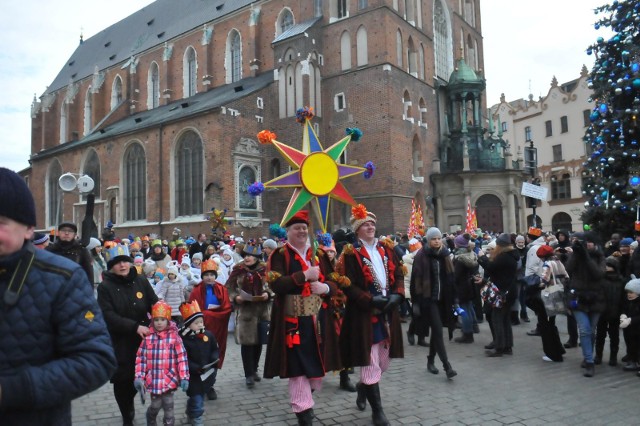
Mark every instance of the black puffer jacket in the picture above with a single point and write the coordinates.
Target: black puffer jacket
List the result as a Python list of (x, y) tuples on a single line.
[(54, 345), (202, 349), (126, 304), (586, 271), (502, 271), (75, 252)]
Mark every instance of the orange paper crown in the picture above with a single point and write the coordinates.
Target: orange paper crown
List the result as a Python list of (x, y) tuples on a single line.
[(187, 310), (161, 310), (208, 265)]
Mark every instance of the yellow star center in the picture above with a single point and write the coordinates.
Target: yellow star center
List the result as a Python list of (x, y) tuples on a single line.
[(319, 173)]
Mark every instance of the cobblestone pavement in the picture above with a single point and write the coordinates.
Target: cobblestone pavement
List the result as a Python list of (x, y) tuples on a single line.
[(515, 390)]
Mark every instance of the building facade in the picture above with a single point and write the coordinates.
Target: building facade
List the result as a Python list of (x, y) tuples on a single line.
[(162, 109), (555, 126)]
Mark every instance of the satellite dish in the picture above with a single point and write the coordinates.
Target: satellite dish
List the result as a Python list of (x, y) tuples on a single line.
[(85, 184), (67, 182)]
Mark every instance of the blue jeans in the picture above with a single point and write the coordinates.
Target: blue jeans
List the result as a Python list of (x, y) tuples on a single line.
[(195, 406), (587, 322)]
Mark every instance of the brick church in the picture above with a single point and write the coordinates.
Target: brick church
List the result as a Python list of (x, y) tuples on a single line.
[(162, 110)]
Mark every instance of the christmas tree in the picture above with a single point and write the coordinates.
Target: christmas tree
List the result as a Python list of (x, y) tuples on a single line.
[(610, 176)]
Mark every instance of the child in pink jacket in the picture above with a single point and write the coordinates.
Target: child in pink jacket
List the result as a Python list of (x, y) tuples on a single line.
[(161, 365)]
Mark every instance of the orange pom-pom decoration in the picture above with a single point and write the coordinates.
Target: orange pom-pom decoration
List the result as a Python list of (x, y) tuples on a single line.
[(266, 137), (359, 211)]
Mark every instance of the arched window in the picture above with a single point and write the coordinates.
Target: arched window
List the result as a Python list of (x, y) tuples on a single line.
[(298, 90), (189, 73), (285, 21), (470, 12), (423, 112), (92, 169), (64, 121), (442, 41), (416, 158), (345, 50), (399, 49), (291, 91), (421, 62), (412, 57), (410, 11), (188, 175), (87, 112), (234, 57), (561, 221), (134, 181), (318, 78), (153, 86), (54, 194), (312, 86), (116, 92), (362, 46), (274, 169), (471, 52), (246, 176), (406, 105)]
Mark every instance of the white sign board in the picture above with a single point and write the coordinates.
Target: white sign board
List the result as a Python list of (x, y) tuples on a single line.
[(534, 191)]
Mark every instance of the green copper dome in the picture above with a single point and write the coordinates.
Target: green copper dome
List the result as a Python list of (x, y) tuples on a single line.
[(463, 73)]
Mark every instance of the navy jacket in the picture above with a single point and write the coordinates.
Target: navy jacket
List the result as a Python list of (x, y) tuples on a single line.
[(54, 344)]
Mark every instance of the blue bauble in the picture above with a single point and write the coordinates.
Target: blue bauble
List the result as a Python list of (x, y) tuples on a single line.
[(603, 108), (636, 83)]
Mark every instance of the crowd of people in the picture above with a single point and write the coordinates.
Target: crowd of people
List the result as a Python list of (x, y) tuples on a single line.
[(153, 316)]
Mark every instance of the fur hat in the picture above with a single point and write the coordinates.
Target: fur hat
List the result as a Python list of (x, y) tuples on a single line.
[(171, 269), (504, 240), (359, 216), (17, 199), (432, 233), (633, 286)]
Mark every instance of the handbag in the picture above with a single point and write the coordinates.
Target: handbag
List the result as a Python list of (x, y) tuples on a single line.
[(553, 297), (492, 295), (263, 331)]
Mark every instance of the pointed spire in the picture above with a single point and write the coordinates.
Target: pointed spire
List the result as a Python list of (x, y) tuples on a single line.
[(81, 35)]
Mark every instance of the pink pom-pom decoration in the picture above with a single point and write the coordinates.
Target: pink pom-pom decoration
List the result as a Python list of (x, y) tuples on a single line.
[(370, 169)]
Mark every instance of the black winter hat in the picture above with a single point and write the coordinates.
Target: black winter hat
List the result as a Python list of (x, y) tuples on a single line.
[(16, 200)]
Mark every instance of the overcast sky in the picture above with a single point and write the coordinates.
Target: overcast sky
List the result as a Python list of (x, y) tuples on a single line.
[(525, 45)]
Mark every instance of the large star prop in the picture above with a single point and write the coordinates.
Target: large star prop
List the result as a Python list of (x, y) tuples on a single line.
[(316, 175)]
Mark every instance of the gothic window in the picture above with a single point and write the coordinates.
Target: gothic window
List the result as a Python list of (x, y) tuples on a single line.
[(87, 112), (116, 92), (298, 89), (471, 53), (188, 175), (345, 50), (421, 62), (285, 21), (470, 12), (134, 182), (54, 194), (153, 86), (416, 158), (423, 112), (247, 166), (410, 11), (406, 106), (399, 50), (64, 121), (317, 8), (412, 57), (190, 73), (234, 57), (92, 169), (291, 92), (362, 46), (442, 41)]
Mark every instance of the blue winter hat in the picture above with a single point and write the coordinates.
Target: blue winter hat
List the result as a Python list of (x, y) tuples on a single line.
[(17, 200), (626, 242)]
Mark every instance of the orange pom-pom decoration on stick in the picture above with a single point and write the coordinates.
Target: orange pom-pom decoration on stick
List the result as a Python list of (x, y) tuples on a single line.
[(359, 211), (266, 137)]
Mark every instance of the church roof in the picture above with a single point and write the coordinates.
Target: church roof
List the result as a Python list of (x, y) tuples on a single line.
[(463, 73), (149, 27), (297, 29)]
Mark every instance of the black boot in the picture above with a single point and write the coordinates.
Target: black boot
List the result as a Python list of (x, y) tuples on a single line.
[(345, 383), (465, 338), (411, 338), (373, 395), (305, 417), (590, 370), (451, 373), (431, 367), (613, 358), (422, 342), (361, 398)]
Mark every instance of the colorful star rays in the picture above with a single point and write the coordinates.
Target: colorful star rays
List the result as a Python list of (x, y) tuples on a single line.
[(316, 175)]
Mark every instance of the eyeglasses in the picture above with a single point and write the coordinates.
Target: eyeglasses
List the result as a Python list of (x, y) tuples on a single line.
[(66, 231)]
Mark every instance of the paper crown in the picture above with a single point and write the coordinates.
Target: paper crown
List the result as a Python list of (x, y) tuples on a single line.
[(252, 250), (114, 251), (536, 232), (190, 312), (209, 265), (161, 310), (156, 243), (301, 217)]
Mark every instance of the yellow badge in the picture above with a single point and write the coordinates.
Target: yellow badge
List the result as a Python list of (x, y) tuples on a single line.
[(89, 316), (205, 338), (139, 295)]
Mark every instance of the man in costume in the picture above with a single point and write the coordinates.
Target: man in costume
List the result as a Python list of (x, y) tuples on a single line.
[(293, 350), (371, 332)]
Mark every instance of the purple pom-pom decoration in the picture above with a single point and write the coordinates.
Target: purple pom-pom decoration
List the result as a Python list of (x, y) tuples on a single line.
[(355, 133), (255, 189), (370, 169)]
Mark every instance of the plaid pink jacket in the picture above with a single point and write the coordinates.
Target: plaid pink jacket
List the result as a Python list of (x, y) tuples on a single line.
[(161, 361)]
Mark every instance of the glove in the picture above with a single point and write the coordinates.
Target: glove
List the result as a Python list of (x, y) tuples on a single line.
[(379, 302), (394, 301), (624, 322), (139, 385), (458, 311), (184, 385)]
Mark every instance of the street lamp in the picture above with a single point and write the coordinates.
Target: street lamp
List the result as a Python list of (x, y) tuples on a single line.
[(531, 166)]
